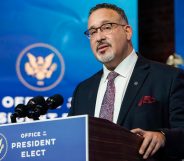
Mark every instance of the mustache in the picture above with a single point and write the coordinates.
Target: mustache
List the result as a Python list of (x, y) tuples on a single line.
[(102, 43)]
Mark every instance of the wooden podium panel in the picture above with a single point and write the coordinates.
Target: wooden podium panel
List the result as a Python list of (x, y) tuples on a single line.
[(111, 142)]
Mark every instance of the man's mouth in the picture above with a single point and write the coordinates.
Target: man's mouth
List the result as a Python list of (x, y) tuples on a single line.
[(102, 48)]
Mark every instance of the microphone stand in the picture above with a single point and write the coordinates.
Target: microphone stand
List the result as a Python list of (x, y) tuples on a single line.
[(13, 118)]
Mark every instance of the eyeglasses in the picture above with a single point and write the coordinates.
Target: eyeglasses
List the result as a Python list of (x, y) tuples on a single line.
[(106, 28)]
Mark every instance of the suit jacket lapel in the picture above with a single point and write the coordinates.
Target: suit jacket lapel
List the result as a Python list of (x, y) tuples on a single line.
[(136, 81), (92, 95)]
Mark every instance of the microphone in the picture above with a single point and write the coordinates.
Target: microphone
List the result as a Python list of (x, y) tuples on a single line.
[(54, 101), (38, 100), (20, 111), (40, 107), (37, 106)]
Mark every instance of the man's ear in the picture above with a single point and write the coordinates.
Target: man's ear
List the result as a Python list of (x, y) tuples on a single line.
[(128, 31)]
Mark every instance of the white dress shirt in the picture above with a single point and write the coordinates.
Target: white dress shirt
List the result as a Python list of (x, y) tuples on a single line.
[(124, 69)]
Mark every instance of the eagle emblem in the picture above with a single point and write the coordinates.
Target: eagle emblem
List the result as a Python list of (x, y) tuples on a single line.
[(40, 67)]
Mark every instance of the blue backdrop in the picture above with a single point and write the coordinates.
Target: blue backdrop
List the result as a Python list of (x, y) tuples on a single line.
[(43, 50), (179, 28)]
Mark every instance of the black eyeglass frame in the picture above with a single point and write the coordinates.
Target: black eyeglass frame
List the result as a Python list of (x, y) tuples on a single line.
[(101, 28)]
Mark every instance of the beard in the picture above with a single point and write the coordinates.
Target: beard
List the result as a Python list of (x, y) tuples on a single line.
[(106, 57)]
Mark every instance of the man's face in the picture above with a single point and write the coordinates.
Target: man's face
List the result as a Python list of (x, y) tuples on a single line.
[(113, 47)]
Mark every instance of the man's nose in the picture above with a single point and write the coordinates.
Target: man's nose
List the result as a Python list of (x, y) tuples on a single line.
[(99, 36)]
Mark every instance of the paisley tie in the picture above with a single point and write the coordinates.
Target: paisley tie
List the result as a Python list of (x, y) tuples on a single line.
[(107, 108)]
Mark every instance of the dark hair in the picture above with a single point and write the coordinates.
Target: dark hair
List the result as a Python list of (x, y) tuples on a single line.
[(110, 6)]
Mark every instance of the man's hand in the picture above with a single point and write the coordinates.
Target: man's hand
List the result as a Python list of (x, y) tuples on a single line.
[(151, 143)]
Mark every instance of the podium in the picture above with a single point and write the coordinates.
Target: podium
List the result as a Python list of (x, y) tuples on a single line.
[(78, 138)]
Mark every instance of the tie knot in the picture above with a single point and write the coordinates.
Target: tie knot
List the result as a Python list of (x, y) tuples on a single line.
[(112, 75)]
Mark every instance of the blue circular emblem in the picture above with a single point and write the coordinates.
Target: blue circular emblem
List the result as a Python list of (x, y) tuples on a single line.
[(40, 67)]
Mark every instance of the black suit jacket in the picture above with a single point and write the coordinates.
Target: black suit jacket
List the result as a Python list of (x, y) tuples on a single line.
[(162, 83)]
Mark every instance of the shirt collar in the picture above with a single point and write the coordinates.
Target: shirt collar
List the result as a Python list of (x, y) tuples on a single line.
[(124, 67)]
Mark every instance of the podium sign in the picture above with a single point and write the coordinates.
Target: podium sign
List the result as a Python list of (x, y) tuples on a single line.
[(49, 140)]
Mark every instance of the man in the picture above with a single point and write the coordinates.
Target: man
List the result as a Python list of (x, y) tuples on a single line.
[(144, 96)]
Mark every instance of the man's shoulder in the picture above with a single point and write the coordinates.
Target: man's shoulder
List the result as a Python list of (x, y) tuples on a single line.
[(161, 67)]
